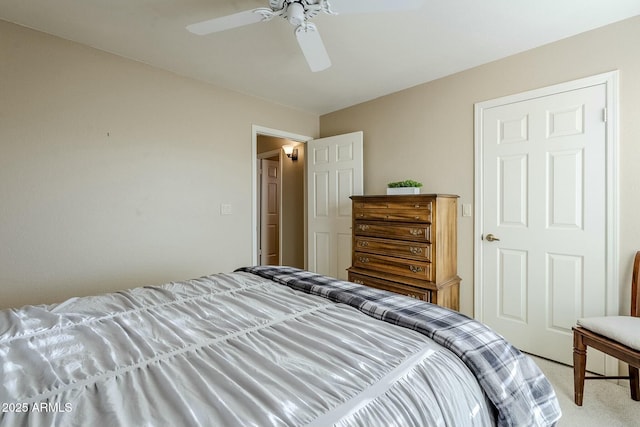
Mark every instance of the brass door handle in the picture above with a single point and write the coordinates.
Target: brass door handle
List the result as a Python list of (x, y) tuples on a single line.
[(491, 238)]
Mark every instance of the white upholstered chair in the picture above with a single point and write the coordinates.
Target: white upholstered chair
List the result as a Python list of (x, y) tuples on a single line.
[(617, 336)]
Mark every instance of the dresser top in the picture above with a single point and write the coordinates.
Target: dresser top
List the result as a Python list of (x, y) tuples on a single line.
[(403, 196)]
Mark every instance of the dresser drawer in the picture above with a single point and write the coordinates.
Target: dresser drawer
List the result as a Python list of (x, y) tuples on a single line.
[(406, 215), (387, 285), (400, 266), (413, 232), (393, 211), (411, 250), (394, 204)]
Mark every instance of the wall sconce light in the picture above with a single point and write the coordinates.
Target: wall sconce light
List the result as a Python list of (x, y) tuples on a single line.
[(291, 152)]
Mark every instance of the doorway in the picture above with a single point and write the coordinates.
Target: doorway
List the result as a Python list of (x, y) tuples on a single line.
[(280, 197), (546, 220), (291, 235)]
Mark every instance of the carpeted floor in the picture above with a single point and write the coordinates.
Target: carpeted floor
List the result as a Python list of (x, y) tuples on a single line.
[(605, 403)]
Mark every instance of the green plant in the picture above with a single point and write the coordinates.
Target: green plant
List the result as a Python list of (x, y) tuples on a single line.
[(405, 183)]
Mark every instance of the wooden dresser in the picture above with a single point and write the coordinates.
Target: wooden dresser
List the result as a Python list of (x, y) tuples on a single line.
[(407, 244)]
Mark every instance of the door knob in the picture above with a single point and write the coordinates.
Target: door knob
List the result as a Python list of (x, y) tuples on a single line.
[(491, 238)]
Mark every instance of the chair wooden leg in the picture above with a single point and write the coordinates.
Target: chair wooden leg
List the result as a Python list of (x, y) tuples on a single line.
[(633, 382), (579, 367)]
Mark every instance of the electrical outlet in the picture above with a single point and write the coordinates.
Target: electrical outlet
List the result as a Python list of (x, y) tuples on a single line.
[(225, 209)]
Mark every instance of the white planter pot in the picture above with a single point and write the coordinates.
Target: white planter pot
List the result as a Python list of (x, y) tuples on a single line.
[(403, 190)]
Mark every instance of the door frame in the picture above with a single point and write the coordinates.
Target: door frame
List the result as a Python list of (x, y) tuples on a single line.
[(610, 80), (261, 130)]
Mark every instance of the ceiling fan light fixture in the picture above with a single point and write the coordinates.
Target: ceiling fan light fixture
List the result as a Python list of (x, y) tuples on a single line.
[(299, 13), (295, 14)]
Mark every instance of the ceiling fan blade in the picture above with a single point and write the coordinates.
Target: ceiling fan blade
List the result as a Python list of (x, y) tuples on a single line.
[(367, 6), (230, 21), (312, 47)]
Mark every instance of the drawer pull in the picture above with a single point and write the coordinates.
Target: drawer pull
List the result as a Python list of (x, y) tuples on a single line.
[(417, 217), (359, 282), (363, 244), (360, 215), (415, 251), (415, 232), (363, 259), (415, 269), (363, 227)]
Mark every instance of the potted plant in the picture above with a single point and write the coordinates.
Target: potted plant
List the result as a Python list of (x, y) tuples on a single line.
[(408, 186)]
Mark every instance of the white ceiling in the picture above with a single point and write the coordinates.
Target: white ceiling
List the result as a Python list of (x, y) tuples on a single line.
[(372, 54)]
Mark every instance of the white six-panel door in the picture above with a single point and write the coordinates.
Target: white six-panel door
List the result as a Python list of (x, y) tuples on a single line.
[(270, 212), (544, 202), (334, 173)]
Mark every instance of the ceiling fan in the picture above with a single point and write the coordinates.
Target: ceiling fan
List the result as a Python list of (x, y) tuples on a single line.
[(299, 13)]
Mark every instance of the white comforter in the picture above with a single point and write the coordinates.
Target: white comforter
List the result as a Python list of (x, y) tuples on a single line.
[(225, 350)]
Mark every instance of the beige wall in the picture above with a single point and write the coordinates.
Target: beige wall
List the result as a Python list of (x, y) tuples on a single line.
[(112, 172), (426, 132)]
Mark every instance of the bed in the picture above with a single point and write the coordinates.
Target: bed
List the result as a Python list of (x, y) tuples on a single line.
[(262, 346)]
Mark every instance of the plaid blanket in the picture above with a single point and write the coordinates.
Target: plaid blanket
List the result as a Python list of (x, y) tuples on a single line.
[(512, 381)]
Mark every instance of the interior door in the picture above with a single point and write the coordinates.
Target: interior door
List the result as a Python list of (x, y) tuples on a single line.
[(270, 212), (544, 219), (334, 173)]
